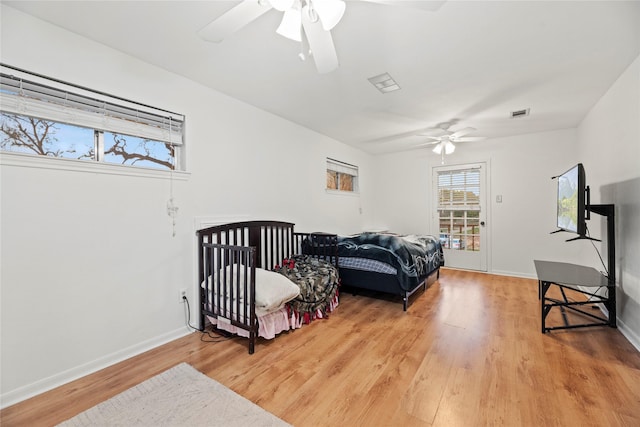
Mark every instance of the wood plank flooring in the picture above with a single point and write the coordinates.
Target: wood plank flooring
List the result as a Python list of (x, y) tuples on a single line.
[(469, 352)]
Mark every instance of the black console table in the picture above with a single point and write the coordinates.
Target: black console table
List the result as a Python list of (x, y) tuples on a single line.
[(581, 279), (586, 281)]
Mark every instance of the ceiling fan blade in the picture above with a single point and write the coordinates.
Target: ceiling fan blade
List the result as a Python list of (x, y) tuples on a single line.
[(425, 144), (281, 5), (470, 139), (233, 20), (457, 134), (434, 132), (432, 5), (320, 42)]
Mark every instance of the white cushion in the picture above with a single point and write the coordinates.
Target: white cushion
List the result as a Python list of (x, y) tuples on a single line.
[(273, 289)]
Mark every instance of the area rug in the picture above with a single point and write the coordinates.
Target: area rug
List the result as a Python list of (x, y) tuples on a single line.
[(181, 396)]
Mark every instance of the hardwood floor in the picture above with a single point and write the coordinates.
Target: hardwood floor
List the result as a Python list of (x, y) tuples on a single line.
[(469, 352)]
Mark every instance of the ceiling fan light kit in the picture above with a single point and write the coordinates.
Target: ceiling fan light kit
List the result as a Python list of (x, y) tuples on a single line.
[(447, 146), (291, 25), (444, 144)]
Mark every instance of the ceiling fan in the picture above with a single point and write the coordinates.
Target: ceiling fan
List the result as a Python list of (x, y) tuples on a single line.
[(444, 144), (308, 22)]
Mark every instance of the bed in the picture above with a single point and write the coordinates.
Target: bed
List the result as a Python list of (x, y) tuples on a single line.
[(255, 281), (389, 263)]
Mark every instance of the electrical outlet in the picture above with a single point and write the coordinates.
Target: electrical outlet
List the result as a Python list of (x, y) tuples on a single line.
[(183, 295)]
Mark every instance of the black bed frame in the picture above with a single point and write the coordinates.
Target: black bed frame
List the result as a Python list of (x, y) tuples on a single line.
[(381, 282), (230, 253)]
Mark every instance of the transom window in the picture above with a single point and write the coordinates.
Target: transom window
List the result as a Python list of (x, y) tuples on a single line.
[(342, 176), (47, 117)]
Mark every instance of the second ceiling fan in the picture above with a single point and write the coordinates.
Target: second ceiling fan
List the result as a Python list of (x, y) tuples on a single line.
[(444, 144)]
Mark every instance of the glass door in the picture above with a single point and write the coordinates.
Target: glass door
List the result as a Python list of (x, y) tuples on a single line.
[(460, 215)]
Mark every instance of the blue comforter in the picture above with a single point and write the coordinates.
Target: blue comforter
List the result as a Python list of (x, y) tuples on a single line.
[(414, 257)]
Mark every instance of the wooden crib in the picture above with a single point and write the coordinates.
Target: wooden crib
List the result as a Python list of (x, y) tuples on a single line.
[(233, 258)]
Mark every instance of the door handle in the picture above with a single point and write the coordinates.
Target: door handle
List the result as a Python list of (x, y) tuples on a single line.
[(482, 223)]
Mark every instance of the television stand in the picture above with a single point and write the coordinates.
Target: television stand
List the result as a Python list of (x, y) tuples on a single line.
[(576, 278)]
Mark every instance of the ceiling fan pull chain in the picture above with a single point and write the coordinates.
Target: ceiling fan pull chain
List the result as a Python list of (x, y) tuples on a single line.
[(305, 49), (302, 55)]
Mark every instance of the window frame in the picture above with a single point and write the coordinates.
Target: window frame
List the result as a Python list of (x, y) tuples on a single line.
[(8, 158), (24, 93), (340, 167)]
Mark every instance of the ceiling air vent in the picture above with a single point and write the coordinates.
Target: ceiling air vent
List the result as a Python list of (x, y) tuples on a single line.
[(519, 113), (384, 83)]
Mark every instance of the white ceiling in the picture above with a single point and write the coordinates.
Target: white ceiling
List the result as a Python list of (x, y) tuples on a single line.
[(468, 62)]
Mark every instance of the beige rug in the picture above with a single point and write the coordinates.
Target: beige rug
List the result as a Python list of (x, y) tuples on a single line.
[(181, 396)]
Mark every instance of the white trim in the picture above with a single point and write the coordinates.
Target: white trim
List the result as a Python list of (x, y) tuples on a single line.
[(513, 274), (46, 384), (90, 166), (626, 331), (629, 334), (342, 192)]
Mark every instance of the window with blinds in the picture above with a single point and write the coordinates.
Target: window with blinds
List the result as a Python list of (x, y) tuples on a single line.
[(458, 208), (48, 117), (341, 176)]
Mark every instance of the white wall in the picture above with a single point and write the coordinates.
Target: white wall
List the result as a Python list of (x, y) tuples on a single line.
[(520, 170), (609, 141), (90, 270)]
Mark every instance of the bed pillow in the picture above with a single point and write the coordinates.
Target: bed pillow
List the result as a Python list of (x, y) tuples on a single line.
[(273, 289)]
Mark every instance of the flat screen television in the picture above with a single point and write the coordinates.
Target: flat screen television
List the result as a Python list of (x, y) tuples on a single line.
[(573, 201)]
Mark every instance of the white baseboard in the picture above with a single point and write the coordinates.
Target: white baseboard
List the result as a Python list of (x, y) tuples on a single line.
[(626, 332), (25, 392), (513, 274), (629, 334)]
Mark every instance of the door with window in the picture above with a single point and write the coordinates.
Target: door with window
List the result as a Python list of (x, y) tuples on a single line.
[(460, 214)]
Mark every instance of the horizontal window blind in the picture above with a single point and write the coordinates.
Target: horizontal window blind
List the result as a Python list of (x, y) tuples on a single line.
[(459, 189), (35, 96), (338, 166)]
